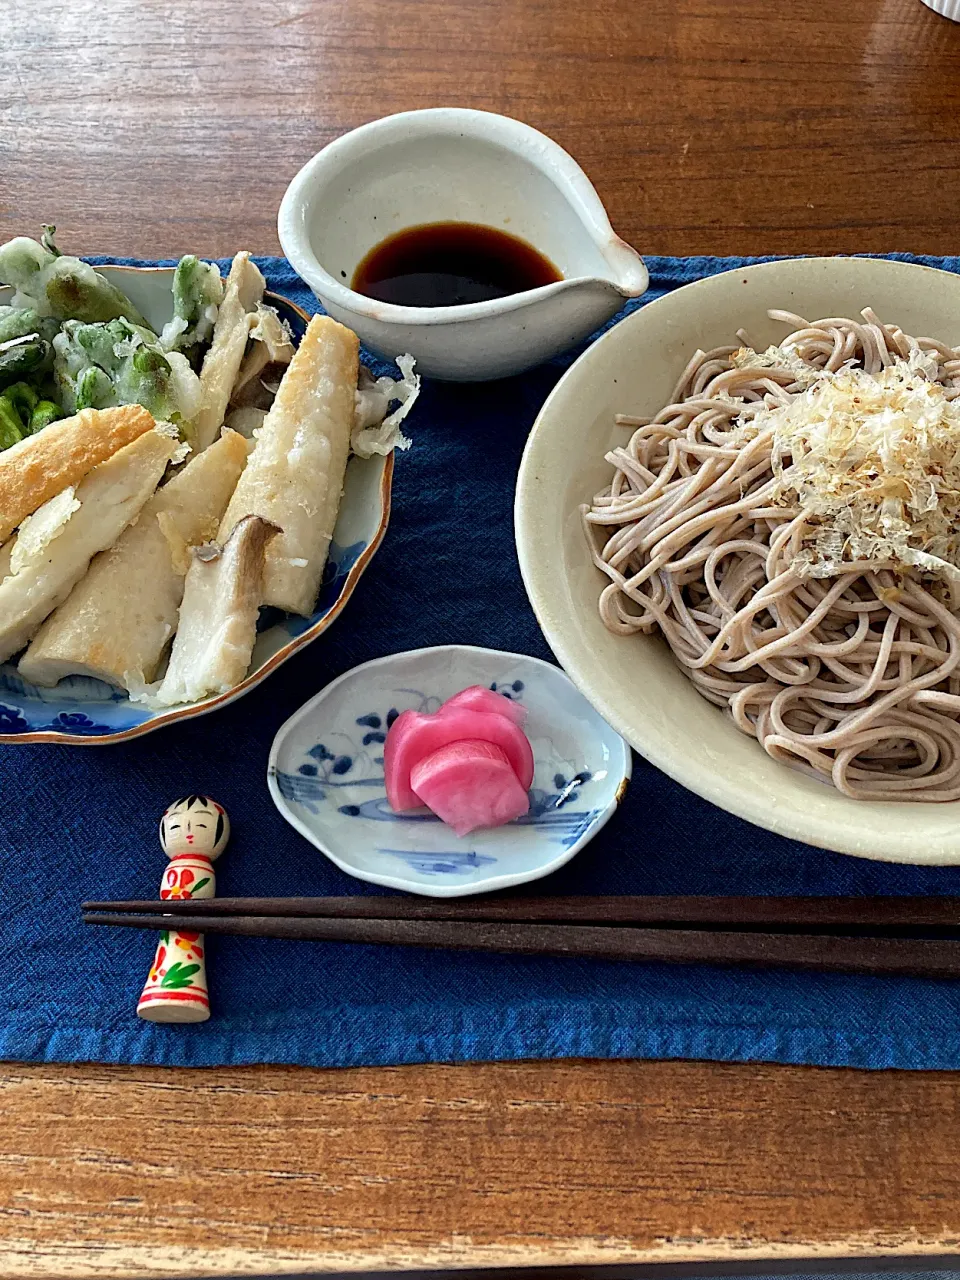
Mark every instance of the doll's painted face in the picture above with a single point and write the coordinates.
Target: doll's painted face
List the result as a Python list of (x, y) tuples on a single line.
[(195, 824)]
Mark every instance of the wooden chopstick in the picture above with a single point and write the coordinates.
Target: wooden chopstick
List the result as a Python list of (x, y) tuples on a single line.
[(918, 957), (873, 914)]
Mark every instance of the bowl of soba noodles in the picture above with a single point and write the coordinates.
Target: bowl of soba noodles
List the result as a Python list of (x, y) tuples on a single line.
[(738, 522)]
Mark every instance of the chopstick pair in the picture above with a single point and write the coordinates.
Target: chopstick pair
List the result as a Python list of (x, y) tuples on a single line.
[(854, 935)]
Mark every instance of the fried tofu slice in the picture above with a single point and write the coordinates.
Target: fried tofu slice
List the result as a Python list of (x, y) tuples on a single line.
[(37, 468), (118, 620), (50, 555)]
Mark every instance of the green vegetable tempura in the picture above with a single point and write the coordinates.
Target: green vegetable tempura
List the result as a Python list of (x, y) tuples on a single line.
[(22, 412), (98, 365), (71, 340), (56, 285), (197, 293)]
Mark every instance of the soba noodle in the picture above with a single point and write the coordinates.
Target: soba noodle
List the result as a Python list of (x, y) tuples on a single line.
[(853, 677)]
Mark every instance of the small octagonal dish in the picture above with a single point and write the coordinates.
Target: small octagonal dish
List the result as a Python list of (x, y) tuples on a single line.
[(326, 774)]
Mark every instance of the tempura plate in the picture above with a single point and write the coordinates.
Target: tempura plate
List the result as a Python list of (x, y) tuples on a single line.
[(84, 712)]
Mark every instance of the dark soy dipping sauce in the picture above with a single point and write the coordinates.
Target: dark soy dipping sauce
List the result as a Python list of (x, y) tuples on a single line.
[(447, 264)]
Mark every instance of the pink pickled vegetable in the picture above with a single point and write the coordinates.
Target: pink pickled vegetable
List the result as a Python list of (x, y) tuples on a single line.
[(470, 784), (477, 698), (413, 736)]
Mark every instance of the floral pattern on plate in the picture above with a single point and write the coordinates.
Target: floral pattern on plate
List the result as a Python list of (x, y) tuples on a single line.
[(81, 707), (326, 773)]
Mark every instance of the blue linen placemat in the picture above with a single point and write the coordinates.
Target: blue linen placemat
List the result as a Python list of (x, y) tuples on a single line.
[(78, 823)]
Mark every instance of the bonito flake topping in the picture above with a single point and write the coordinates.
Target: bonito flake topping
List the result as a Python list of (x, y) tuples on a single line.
[(776, 358), (873, 461)]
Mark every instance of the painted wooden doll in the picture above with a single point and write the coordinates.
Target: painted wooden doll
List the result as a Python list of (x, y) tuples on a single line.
[(193, 832)]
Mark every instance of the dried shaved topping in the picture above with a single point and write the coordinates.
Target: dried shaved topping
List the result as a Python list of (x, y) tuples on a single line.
[(874, 461), (775, 358)]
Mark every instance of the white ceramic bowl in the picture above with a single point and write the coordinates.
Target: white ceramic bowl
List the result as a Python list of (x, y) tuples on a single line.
[(635, 683), (326, 774), (80, 711), (946, 8), (453, 165)]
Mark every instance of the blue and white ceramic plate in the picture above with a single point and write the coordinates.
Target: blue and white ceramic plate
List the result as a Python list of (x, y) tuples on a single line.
[(326, 774), (83, 711)]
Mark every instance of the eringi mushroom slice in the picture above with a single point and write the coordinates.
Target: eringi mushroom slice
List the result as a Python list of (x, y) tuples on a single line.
[(218, 616), (269, 351), (295, 474)]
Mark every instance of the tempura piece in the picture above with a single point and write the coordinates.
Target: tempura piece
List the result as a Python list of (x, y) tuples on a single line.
[(98, 365), (197, 294), (107, 500), (218, 617), (40, 466), (23, 413), (269, 351), (117, 621), (241, 296), (295, 473), (24, 322), (27, 357), (40, 529), (53, 283)]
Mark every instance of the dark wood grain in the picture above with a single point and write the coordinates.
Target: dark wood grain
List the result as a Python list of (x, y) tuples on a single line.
[(708, 126), (156, 1172)]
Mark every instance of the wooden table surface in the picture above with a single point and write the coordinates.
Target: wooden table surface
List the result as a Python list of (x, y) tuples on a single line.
[(708, 126)]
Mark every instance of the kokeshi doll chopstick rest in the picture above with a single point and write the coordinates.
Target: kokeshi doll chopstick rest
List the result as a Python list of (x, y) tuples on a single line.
[(193, 831)]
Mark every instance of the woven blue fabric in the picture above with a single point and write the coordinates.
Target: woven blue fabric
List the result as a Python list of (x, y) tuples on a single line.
[(81, 822)]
